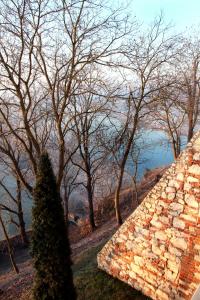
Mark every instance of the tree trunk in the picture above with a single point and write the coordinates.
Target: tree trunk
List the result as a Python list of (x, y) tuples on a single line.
[(122, 167), (190, 129), (65, 205), (22, 227), (117, 198), (190, 120), (90, 202), (178, 146), (10, 250), (175, 141), (135, 193), (175, 144), (174, 149)]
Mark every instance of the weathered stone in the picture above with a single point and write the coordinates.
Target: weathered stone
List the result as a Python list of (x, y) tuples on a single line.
[(157, 224), (177, 223), (129, 245), (197, 258), (156, 250), (191, 201), (192, 179), (158, 210), (192, 230), (169, 275), (197, 247), (169, 256), (131, 236), (154, 196), (188, 218), (139, 260), (162, 183), (132, 274), (119, 240), (171, 183), (171, 196), (163, 204), (136, 269), (196, 156), (180, 176), (159, 249), (165, 220), (197, 276), (181, 201), (170, 189), (187, 187), (173, 266), (180, 195), (163, 195), (148, 205), (177, 207), (152, 280), (174, 251), (115, 264), (179, 243), (194, 169), (178, 185), (142, 231), (162, 295), (161, 235)]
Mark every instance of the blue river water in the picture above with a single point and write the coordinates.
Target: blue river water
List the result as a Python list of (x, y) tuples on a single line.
[(155, 151)]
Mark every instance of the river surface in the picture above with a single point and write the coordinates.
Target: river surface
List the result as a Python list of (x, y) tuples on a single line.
[(155, 152)]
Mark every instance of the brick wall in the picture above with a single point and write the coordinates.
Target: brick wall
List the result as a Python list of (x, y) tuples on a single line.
[(157, 249)]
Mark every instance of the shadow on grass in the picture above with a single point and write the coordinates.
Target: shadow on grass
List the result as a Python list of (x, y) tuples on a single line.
[(93, 284)]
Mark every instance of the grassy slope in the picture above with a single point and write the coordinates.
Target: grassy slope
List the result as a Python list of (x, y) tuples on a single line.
[(93, 284)]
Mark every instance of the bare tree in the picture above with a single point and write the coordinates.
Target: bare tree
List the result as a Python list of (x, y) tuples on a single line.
[(69, 184), (169, 116), (188, 79), (91, 113), (136, 160), (46, 49), (41, 69), (14, 206), (13, 163), (86, 38), (21, 104), (10, 250), (146, 59)]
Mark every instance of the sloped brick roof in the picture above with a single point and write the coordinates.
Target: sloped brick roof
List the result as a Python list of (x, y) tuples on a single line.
[(157, 249)]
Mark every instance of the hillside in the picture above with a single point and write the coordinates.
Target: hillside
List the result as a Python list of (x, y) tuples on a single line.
[(89, 280)]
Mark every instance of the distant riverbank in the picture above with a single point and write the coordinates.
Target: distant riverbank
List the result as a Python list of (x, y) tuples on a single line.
[(155, 151)]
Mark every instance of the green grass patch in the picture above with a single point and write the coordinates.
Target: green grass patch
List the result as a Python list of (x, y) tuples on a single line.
[(93, 284)]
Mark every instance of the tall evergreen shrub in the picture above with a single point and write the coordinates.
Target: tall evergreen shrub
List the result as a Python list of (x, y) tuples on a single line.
[(50, 246)]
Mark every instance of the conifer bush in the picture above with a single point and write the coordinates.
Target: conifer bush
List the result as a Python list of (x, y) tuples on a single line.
[(50, 246)]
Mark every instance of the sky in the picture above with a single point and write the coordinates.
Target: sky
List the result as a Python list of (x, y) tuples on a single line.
[(182, 13)]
